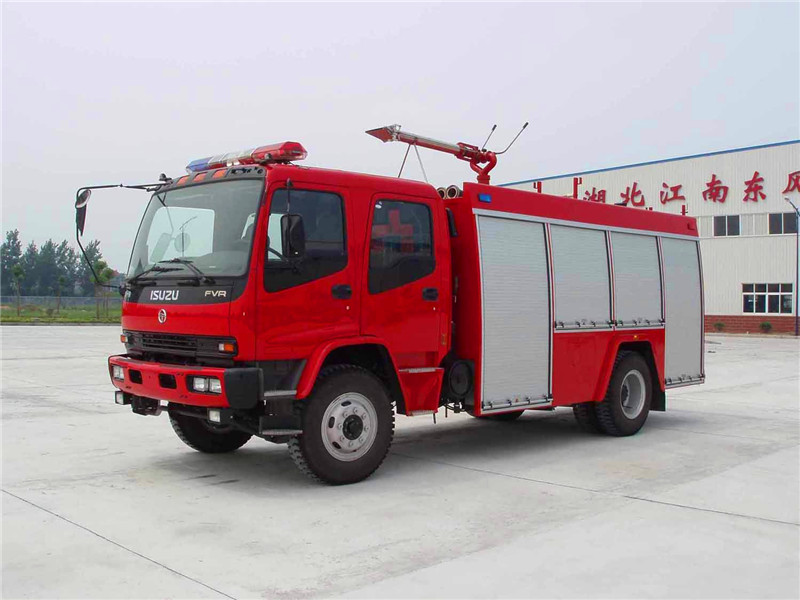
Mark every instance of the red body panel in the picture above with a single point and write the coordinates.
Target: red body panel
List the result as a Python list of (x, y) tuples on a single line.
[(421, 388), (583, 361)]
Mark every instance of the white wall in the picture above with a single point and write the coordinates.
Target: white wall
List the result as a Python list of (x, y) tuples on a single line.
[(730, 262)]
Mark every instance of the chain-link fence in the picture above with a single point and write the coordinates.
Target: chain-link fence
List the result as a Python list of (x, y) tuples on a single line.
[(113, 301)]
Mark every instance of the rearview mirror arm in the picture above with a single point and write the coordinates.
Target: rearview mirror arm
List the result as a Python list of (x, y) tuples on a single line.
[(80, 206)]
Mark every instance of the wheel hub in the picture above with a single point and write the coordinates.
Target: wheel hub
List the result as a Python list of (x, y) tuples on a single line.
[(349, 426), (633, 394), (353, 426)]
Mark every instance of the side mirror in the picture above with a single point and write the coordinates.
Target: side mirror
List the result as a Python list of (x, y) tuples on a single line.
[(80, 208), (294, 236)]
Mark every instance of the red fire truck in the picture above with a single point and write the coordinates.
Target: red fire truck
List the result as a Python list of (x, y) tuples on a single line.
[(308, 306)]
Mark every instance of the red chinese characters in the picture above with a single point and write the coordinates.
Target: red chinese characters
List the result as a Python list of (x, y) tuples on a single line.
[(671, 193), (595, 195), (753, 190), (633, 195), (715, 190), (793, 185)]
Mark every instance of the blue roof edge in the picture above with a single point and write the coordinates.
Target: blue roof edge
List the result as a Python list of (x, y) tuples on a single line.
[(652, 162)]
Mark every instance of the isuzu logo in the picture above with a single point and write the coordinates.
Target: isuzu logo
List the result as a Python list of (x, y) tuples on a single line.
[(162, 316), (216, 293), (164, 295)]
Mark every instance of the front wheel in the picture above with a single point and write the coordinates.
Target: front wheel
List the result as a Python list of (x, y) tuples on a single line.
[(348, 426), (205, 436), (624, 409)]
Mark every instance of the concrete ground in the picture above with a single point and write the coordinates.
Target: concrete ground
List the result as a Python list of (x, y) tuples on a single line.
[(704, 502)]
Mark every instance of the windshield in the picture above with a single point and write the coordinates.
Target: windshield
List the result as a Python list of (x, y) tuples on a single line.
[(209, 226)]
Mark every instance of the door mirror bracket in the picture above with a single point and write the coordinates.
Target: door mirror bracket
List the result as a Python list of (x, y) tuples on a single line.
[(294, 237)]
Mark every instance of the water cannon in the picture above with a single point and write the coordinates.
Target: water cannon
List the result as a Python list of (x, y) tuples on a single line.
[(480, 160)]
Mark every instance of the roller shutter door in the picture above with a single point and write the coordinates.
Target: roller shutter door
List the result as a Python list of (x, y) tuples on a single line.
[(684, 312), (516, 313), (637, 280), (581, 280)]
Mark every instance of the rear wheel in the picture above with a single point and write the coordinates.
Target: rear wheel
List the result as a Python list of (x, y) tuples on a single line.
[(205, 436), (627, 403), (586, 416), (348, 426)]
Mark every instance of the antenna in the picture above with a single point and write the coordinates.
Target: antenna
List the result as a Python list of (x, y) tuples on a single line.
[(483, 147), (514, 140)]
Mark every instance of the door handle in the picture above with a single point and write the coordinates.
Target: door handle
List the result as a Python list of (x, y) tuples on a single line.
[(342, 291), (430, 294)]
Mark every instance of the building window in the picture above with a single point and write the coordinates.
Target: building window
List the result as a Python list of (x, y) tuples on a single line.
[(767, 298), (726, 226), (782, 223)]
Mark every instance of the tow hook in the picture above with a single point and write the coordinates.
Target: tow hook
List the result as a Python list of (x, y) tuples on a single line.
[(145, 406)]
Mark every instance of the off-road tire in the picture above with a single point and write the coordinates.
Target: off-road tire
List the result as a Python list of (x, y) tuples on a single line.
[(586, 416), (610, 414), (207, 437), (504, 417), (308, 450)]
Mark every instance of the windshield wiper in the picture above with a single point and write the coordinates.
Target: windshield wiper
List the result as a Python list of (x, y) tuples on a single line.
[(201, 277), (154, 269)]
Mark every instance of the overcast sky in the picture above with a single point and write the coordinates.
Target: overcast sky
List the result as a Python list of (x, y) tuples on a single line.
[(105, 93)]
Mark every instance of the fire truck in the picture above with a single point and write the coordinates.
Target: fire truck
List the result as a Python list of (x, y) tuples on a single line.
[(309, 306)]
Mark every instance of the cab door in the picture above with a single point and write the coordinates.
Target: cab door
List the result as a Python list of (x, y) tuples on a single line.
[(303, 303), (402, 292)]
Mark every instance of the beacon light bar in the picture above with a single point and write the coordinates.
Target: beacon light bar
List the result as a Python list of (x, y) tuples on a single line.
[(263, 155)]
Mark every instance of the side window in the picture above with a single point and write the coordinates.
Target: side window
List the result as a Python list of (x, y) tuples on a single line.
[(326, 248), (401, 245)]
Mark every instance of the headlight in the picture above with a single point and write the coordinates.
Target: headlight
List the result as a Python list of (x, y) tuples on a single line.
[(210, 385), (118, 372), (200, 384)]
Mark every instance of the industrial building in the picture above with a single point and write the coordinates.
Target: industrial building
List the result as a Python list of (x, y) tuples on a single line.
[(748, 230)]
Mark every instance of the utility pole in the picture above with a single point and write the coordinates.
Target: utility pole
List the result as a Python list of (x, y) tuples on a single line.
[(796, 267)]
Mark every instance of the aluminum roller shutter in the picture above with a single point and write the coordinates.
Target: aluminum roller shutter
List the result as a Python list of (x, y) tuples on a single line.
[(637, 279), (684, 313), (516, 313), (581, 281)]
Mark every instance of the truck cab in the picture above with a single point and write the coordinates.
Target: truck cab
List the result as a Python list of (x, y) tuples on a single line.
[(229, 325)]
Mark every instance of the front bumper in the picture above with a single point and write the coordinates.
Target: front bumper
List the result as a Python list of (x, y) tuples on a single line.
[(241, 388)]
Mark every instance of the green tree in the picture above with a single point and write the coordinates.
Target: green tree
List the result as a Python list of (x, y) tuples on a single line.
[(30, 266), (47, 269), (18, 273), (67, 262), (10, 254)]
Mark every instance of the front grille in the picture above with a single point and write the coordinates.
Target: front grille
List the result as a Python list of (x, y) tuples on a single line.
[(181, 345), (167, 342)]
